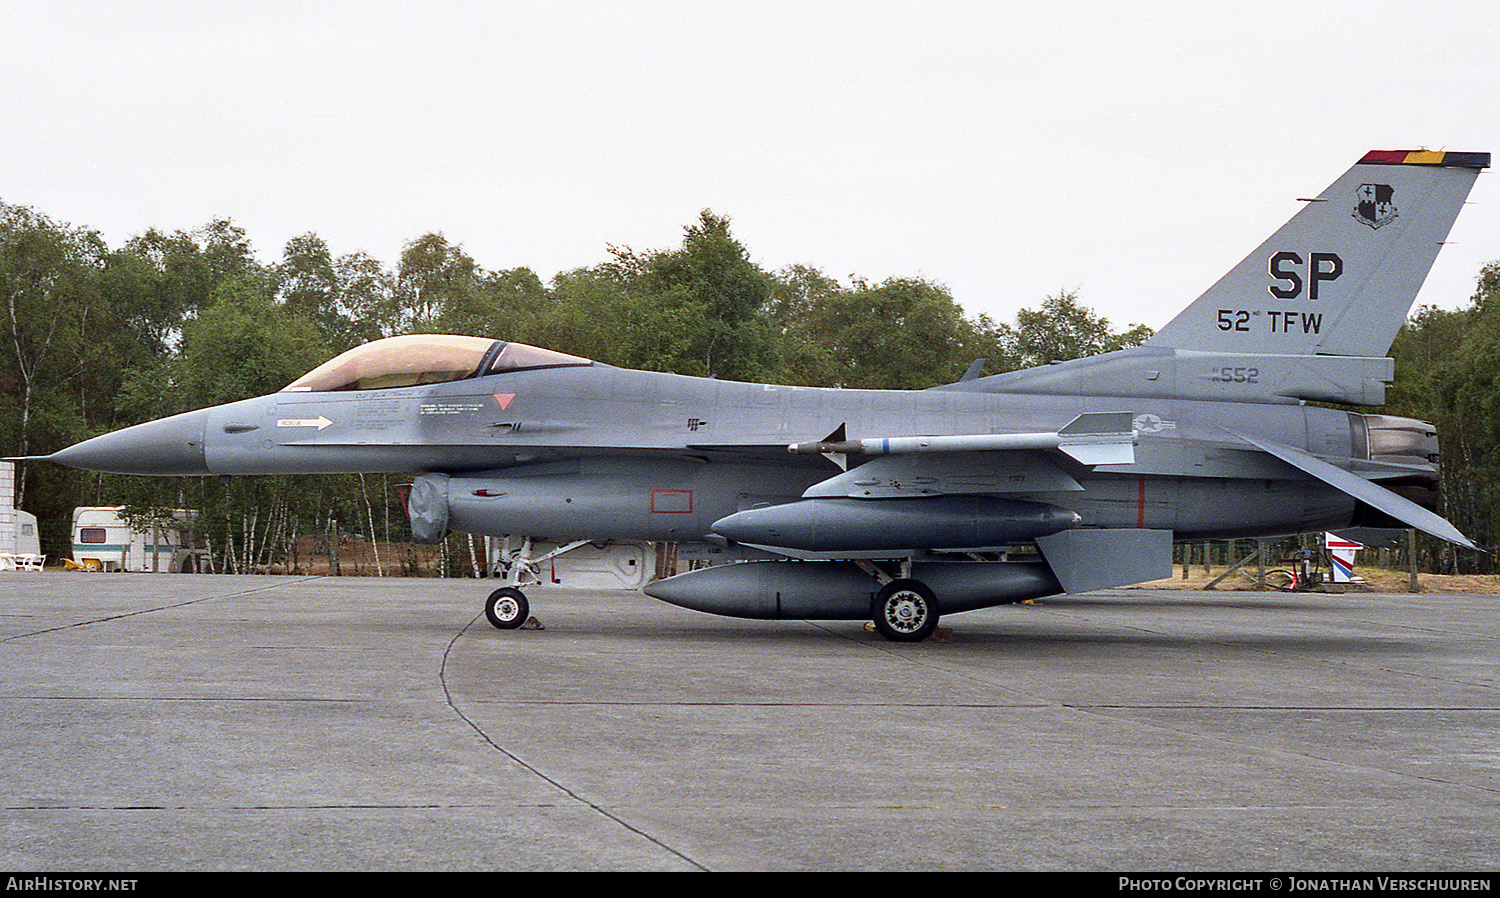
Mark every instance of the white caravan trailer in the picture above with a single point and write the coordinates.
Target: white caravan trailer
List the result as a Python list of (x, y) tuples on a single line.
[(103, 541), (20, 543)]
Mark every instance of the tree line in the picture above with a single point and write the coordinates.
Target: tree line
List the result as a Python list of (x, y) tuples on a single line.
[(100, 338), (1448, 373)]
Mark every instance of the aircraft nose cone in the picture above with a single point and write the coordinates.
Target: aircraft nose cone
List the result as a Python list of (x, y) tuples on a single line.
[(169, 447)]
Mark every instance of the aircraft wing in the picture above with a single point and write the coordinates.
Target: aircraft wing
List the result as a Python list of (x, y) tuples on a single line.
[(1373, 495), (957, 477)]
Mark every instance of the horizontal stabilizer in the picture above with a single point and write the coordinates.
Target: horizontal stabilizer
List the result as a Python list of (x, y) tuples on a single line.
[(1373, 495)]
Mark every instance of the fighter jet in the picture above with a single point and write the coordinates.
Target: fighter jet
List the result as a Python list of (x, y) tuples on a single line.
[(902, 506)]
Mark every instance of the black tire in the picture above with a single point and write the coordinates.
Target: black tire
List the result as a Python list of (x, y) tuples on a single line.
[(507, 608), (905, 611)]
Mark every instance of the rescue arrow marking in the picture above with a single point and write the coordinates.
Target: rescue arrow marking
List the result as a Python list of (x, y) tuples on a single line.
[(319, 422)]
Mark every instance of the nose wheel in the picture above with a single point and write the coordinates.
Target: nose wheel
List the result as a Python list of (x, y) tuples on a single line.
[(905, 611), (507, 608)]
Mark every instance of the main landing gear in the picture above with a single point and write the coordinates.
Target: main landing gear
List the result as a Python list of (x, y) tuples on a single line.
[(905, 611)]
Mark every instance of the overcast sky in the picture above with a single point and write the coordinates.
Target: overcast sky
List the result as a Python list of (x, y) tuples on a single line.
[(1131, 151)]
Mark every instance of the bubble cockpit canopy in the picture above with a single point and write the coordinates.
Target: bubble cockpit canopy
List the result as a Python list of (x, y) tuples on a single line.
[(425, 359)]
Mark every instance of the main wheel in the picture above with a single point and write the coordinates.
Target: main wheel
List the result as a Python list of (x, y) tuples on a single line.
[(507, 608), (905, 611)]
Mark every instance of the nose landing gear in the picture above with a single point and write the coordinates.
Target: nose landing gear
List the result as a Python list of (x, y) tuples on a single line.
[(506, 608)]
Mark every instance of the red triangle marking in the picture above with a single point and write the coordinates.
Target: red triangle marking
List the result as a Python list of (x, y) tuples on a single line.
[(504, 399)]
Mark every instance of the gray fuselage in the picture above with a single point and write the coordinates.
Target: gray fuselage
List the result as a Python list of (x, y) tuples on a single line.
[(602, 452)]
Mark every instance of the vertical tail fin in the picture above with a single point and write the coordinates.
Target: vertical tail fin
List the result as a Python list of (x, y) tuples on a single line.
[(1341, 276)]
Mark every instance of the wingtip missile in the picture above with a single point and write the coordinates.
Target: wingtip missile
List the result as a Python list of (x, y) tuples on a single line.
[(1106, 438)]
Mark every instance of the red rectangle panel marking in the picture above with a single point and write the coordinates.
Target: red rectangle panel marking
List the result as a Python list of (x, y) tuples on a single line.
[(1140, 503), (671, 501)]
